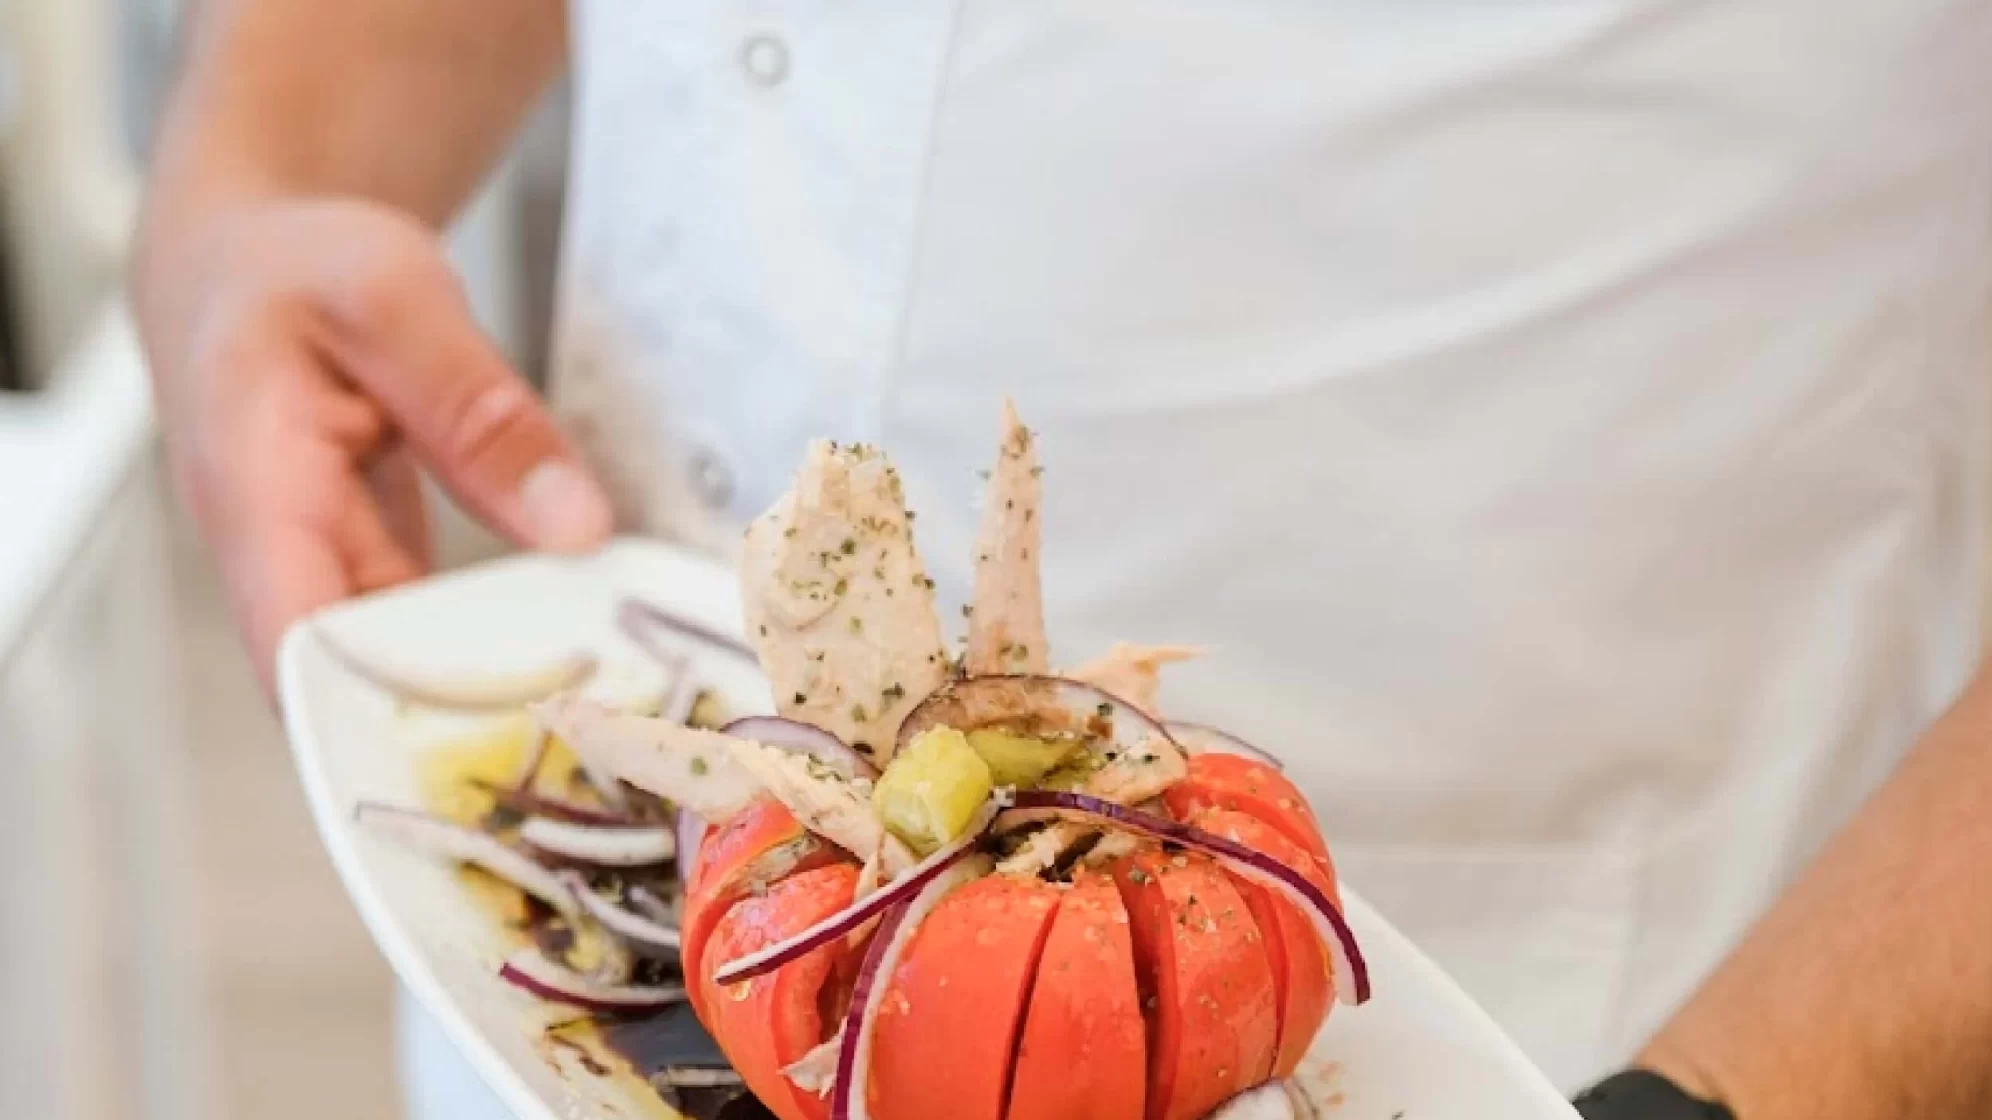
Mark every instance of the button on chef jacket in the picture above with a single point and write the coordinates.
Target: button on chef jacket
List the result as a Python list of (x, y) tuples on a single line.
[(1565, 423)]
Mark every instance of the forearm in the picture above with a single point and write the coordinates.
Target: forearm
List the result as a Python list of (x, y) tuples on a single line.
[(399, 102), (1866, 993), (406, 103)]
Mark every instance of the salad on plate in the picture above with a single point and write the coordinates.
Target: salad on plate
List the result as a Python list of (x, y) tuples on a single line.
[(932, 883)]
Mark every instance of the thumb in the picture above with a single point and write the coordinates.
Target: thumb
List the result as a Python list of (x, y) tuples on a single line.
[(477, 425)]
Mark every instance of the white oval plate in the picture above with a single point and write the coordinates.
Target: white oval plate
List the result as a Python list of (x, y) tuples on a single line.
[(1420, 1050)]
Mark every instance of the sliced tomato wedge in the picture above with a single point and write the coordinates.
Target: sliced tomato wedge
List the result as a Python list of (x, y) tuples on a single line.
[(769, 1022), (1301, 971), (1202, 961), (1229, 781), (945, 1034), (1083, 1051), (748, 835)]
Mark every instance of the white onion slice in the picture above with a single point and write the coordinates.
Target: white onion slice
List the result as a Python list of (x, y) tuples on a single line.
[(1270, 1101), (682, 699), (864, 909), (650, 938), (806, 739), (482, 693), (1352, 983), (602, 845), (651, 905), (895, 930), (1198, 738), (532, 970), (816, 1071), (1305, 1107), (695, 1077), (435, 836)]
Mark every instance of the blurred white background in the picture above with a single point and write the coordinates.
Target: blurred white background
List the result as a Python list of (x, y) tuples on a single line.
[(173, 943)]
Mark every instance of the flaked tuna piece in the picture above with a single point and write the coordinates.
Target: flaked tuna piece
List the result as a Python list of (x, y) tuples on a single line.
[(1045, 847), (717, 775), (1140, 772), (1132, 671), (824, 801), (1006, 620), (1132, 777), (837, 603), (1113, 847), (691, 768)]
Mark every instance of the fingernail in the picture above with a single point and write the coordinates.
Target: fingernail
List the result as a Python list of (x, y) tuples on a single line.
[(565, 511)]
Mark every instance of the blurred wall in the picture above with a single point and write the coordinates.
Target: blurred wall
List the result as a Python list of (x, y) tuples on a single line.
[(67, 190), (175, 946)]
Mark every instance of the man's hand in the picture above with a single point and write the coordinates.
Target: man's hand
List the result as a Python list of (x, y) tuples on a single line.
[(308, 342), (308, 356)]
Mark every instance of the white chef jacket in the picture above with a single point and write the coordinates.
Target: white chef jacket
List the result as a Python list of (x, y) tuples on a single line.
[(1566, 422)]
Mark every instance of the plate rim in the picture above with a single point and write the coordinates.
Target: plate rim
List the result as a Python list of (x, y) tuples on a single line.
[(410, 966)]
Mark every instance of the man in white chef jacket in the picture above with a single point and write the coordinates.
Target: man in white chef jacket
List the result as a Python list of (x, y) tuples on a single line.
[(1569, 421)]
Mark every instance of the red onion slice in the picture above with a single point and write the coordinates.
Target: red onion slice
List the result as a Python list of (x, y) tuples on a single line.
[(650, 938), (1351, 972), (532, 970), (765, 960), (535, 758), (527, 803), (640, 620), (602, 845), (436, 836), (1197, 738), (691, 837), (482, 693), (805, 739), (1032, 705), (895, 930)]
